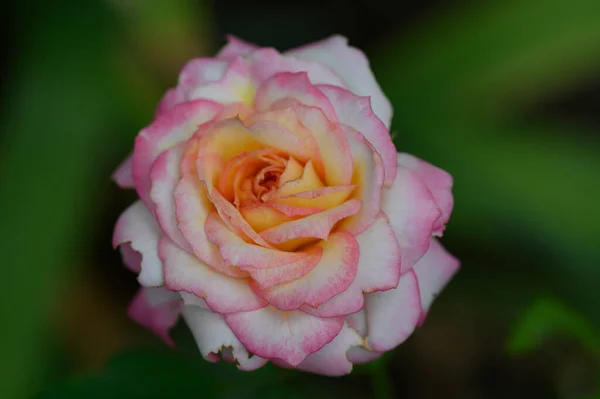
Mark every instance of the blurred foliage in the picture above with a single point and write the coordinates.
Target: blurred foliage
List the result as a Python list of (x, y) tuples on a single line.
[(470, 84)]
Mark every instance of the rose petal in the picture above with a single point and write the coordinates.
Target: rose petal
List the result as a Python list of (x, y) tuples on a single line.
[(393, 315), (137, 227), (352, 66), (131, 258), (292, 85), (277, 275), (266, 62), (235, 48), (156, 309), (332, 143), (167, 130), (223, 294), (438, 181), (433, 272), (359, 355), (322, 198), (331, 360), (200, 71), (123, 176), (291, 336), (192, 209), (318, 225), (333, 274), (368, 179), (164, 177), (378, 270), (235, 86), (412, 211), (213, 336), (238, 252), (356, 112)]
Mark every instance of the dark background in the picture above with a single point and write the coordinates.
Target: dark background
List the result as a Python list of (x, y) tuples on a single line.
[(505, 95)]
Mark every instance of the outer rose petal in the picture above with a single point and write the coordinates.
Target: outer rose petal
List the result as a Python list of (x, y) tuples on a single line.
[(359, 355), (164, 177), (131, 258), (331, 360), (433, 272), (171, 98), (352, 66), (378, 270), (236, 47), (290, 336), (236, 86), (333, 274), (266, 62), (124, 174), (393, 315), (137, 227), (438, 181), (223, 294), (213, 335), (356, 112), (200, 71), (412, 212), (293, 85), (167, 130), (156, 309)]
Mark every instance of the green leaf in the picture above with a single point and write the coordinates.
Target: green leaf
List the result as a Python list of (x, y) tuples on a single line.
[(547, 318)]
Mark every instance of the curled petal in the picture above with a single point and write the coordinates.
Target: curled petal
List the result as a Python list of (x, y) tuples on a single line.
[(321, 197), (167, 130), (137, 227), (269, 277), (433, 272), (378, 270), (213, 335), (352, 66), (156, 309), (223, 294), (292, 85), (438, 181), (412, 212), (393, 315), (131, 258), (333, 274), (318, 225), (332, 360), (359, 355), (123, 176), (333, 145), (368, 179), (238, 252), (290, 336), (356, 112), (192, 212)]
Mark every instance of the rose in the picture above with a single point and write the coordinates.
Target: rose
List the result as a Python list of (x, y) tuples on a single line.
[(276, 215)]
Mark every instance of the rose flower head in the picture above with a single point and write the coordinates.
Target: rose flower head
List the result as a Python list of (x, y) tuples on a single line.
[(275, 215)]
